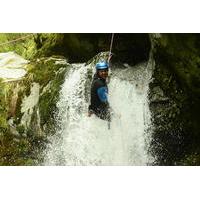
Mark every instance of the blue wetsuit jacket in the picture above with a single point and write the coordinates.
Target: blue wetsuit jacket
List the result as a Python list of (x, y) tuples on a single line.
[(99, 98)]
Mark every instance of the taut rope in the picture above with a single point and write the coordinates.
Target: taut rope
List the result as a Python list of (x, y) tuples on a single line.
[(111, 43), (12, 41)]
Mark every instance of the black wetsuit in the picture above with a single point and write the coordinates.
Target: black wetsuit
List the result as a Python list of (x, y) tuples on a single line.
[(99, 102)]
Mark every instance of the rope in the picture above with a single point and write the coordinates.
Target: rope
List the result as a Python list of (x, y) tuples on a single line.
[(12, 41), (111, 43)]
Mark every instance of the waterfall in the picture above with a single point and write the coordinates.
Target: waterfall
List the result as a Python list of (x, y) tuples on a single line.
[(83, 140)]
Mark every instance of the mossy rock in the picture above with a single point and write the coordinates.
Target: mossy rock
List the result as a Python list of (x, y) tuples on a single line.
[(191, 160), (12, 151), (50, 74), (3, 107), (177, 74), (25, 149), (79, 47)]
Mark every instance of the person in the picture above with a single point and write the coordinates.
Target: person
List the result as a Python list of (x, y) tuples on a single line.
[(99, 93)]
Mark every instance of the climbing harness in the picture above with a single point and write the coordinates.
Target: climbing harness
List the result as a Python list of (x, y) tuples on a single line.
[(21, 38), (111, 43)]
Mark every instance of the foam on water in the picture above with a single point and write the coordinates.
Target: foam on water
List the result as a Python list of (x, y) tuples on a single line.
[(80, 140)]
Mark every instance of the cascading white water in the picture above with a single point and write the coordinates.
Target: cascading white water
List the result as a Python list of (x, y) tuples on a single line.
[(83, 140)]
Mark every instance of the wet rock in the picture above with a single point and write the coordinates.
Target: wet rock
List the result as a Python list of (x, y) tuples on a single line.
[(28, 106), (174, 95), (129, 48), (157, 95), (28, 103), (12, 128)]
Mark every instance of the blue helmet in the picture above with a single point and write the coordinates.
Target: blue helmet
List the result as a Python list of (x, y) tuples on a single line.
[(102, 65)]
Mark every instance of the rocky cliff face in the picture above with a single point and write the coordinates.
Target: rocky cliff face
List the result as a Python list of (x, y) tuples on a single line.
[(80, 47), (175, 99), (28, 105)]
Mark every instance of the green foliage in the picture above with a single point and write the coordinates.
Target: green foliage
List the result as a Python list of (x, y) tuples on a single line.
[(20, 129), (43, 71), (25, 47), (48, 43), (23, 150), (3, 108), (20, 151), (191, 160), (15, 151)]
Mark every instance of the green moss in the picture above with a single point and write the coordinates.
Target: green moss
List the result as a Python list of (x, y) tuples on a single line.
[(3, 122), (18, 114), (30, 49), (177, 73), (25, 47), (44, 71), (47, 102), (14, 152), (182, 57), (3, 108), (21, 151), (191, 160), (47, 43), (26, 148), (20, 129), (50, 77)]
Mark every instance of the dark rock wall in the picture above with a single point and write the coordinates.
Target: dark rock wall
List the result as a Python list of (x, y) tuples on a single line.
[(176, 111), (80, 47)]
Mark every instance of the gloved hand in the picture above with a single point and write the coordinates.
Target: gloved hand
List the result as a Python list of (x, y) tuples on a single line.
[(90, 113)]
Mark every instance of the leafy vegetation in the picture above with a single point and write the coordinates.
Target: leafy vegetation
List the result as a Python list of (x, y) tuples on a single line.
[(26, 46)]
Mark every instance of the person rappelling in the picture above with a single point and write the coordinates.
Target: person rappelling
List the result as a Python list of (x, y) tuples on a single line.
[(99, 93), (99, 104)]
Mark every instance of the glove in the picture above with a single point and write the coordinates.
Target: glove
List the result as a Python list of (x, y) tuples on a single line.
[(90, 112)]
